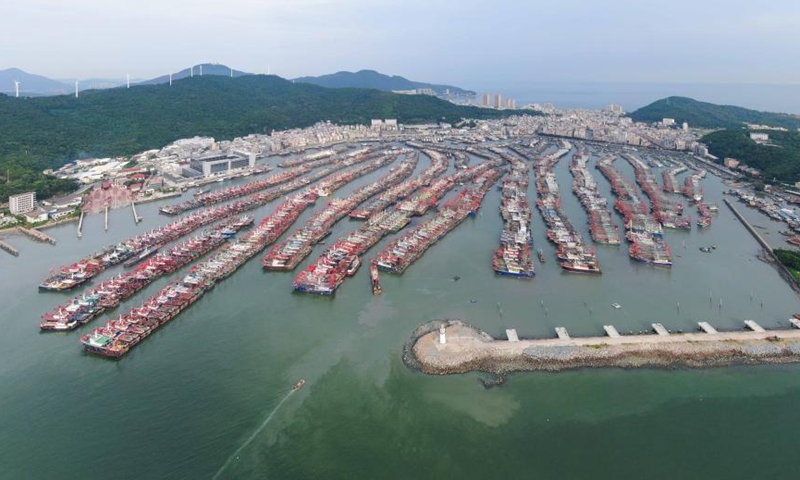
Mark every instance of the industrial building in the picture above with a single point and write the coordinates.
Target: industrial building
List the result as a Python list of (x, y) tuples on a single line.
[(218, 162)]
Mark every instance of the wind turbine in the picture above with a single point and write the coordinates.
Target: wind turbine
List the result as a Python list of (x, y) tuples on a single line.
[(192, 74), (76, 89), (170, 79), (128, 79), (16, 89), (201, 69), (231, 72)]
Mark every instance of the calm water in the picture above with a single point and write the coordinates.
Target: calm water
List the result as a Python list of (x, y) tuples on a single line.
[(183, 401)]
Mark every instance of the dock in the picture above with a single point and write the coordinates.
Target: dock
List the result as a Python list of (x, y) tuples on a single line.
[(562, 333), (752, 325), (611, 331), (106, 225), (9, 248), (706, 327), (660, 329), (795, 322), (136, 218), (37, 235), (511, 334), (80, 225)]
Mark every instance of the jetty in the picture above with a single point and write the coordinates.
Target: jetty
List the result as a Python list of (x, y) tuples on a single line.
[(80, 225), (37, 235), (452, 346), (9, 248), (136, 217)]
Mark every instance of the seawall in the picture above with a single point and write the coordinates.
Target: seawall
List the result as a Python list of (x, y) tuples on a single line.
[(468, 349)]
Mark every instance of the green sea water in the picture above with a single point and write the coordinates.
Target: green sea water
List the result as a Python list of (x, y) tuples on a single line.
[(181, 403)]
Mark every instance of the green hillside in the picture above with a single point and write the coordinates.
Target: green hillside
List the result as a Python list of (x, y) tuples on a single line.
[(780, 159), (46, 132), (709, 115)]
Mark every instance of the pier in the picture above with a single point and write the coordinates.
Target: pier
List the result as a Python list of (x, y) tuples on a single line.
[(611, 331), (754, 326), (37, 235), (470, 349), (562, 333), (795, 322), (106, 220), (136, 218), (659, 329), (706, 327), (511, 334), (9, 248), (80, 225)]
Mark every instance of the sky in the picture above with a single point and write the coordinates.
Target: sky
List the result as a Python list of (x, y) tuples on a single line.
[(461, 42)]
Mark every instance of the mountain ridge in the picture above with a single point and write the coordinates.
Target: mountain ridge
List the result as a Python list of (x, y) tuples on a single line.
[(710, 115), (378, 81)]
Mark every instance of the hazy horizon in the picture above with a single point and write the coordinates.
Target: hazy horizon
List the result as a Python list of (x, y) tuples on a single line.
[(460, 43)]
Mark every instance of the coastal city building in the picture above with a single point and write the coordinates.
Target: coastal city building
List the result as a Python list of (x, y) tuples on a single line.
[(22, 203), (487, 102), (498, 100), (759, 137)]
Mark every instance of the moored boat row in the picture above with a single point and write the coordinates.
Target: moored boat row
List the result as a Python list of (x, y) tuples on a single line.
[(110, 293), (514, 257), (644, 233), (288, 254), (601, 224), (572, 252), (329, 271), (80, 272), (398, 255), (118, 336), (438, 166)]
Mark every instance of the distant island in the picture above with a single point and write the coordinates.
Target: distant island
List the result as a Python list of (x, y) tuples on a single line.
[(46, 132), (708, 115), (379, 81)]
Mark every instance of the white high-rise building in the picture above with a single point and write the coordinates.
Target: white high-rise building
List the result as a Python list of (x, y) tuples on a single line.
[(22, 203)]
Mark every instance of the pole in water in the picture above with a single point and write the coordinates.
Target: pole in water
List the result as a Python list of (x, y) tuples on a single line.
[(253, 436)]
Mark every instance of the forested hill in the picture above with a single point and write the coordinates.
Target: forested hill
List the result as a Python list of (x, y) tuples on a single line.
[(378, 81), (779, 159), (45, 132), (709, 115)]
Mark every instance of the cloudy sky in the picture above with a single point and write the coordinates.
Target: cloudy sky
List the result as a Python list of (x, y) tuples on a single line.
[(447, 41)]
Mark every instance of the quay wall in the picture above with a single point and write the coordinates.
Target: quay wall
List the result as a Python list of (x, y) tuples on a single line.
[(785, 273)]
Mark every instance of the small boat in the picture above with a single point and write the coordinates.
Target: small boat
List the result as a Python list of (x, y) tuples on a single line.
[(616, 305), (456, 278), (298, 385), (540, 254)]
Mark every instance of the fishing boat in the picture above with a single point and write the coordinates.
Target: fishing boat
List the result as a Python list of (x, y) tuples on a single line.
[(147, 252), (298, 385), (616, 305)]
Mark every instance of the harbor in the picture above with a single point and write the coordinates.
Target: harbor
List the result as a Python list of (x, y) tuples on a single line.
[(250, 333)]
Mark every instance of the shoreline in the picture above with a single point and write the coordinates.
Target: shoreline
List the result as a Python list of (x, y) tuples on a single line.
[(469, 349)]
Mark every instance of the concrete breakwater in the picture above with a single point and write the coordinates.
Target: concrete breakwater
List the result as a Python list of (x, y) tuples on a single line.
[(467, 348)]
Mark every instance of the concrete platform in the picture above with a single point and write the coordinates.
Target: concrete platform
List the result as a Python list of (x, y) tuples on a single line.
[(795, 322), (562, 333), (511, 334), (752, 325), (707, 327), (611, 331), (660, 329)]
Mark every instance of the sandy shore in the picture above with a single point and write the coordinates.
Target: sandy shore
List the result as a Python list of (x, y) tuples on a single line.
[(467, 348)]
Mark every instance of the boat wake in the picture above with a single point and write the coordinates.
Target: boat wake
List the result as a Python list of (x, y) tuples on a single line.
[(252, 437)]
